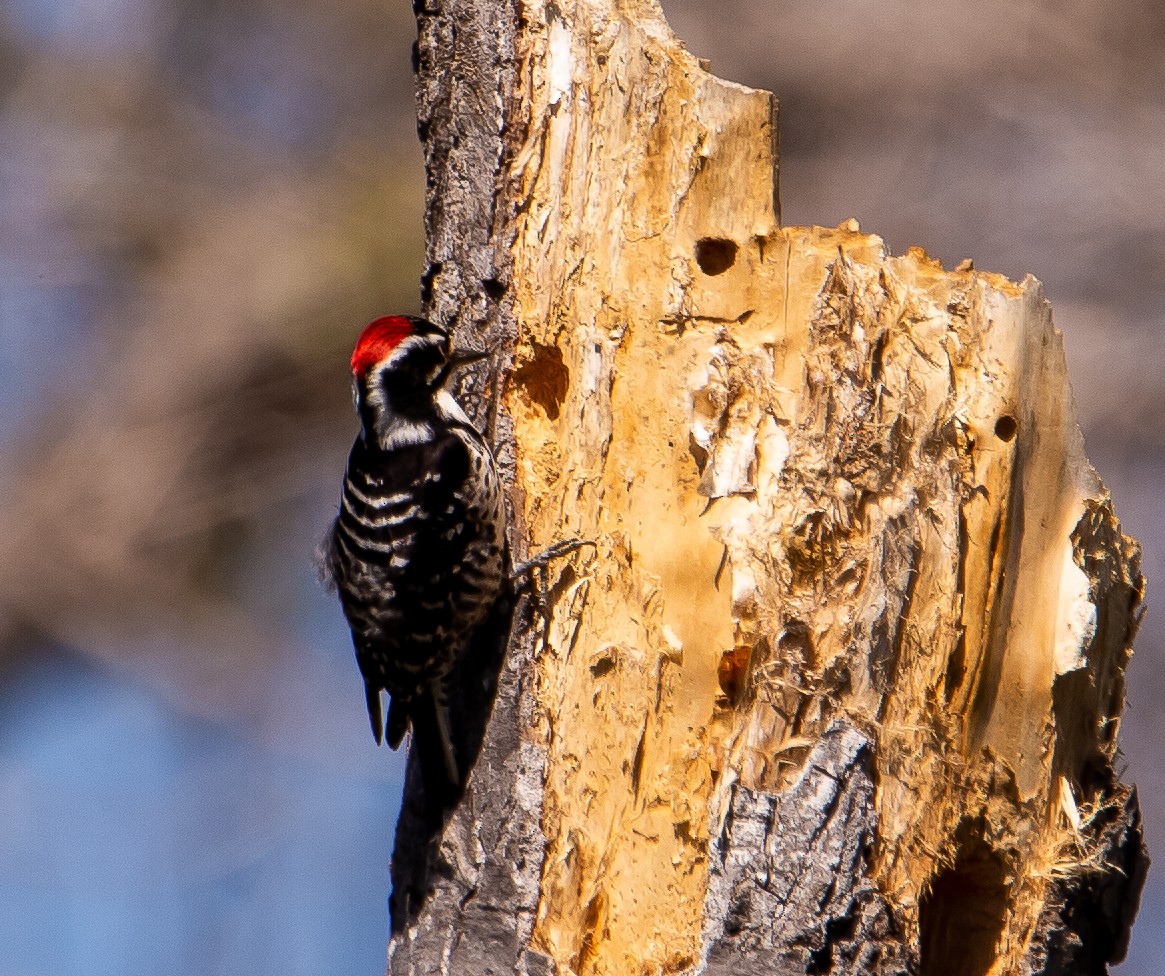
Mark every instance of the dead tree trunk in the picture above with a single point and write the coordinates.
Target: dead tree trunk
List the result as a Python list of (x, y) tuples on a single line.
[(839, 691)]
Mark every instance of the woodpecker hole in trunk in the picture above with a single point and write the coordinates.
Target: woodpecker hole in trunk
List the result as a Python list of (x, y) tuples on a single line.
[(715, 255), (1006, 428), (963, 914), (544, 379)]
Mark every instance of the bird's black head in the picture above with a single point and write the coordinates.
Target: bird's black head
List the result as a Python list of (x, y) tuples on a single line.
[(399, 366), (403, 353)]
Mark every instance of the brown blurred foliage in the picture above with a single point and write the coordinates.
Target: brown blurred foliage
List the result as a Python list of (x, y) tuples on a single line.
[(204, 201)]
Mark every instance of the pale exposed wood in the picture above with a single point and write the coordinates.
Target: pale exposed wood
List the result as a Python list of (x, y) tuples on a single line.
[(839, 690)]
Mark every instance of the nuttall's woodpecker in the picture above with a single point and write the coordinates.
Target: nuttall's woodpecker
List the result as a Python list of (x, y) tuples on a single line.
[(418, 551)]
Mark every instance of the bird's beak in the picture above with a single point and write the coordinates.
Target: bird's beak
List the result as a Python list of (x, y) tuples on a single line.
[(459, 359), (464, 358)]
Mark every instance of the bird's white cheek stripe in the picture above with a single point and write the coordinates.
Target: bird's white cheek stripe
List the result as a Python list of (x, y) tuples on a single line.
[(404, 348), (403, 433), (448, 408)]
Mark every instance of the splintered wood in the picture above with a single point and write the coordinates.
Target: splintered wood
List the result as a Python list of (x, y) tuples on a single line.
[(834, 491)]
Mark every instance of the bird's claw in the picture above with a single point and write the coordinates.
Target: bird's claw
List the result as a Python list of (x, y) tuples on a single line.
[(522, 577)]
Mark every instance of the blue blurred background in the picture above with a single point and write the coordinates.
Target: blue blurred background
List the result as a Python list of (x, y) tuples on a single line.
[(201, 201)]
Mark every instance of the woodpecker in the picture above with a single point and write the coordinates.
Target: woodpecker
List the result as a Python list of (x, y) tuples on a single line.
[(417, 552)]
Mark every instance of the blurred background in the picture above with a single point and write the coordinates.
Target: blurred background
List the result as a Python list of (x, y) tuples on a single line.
[(201, 202)]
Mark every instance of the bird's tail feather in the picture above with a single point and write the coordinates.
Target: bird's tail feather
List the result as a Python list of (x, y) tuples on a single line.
[(433, 745), (375, 716), (398, 721)]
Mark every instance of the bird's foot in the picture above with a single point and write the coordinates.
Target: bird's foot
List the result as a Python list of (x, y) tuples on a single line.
[(525, 580), (523, 574)]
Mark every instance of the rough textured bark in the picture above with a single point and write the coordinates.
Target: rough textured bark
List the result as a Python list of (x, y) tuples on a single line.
[(839, 690)]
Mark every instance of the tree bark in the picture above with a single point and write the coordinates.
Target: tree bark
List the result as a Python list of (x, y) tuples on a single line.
[(839, 690)]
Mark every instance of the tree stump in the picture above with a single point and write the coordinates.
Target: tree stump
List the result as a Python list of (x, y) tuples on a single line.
[(839, 689)]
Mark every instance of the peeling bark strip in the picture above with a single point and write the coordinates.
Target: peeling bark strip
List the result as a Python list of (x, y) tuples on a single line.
[(840, 691)]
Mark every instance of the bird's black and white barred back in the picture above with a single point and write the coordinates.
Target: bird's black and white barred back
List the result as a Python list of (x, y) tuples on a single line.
[(417, 551)]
